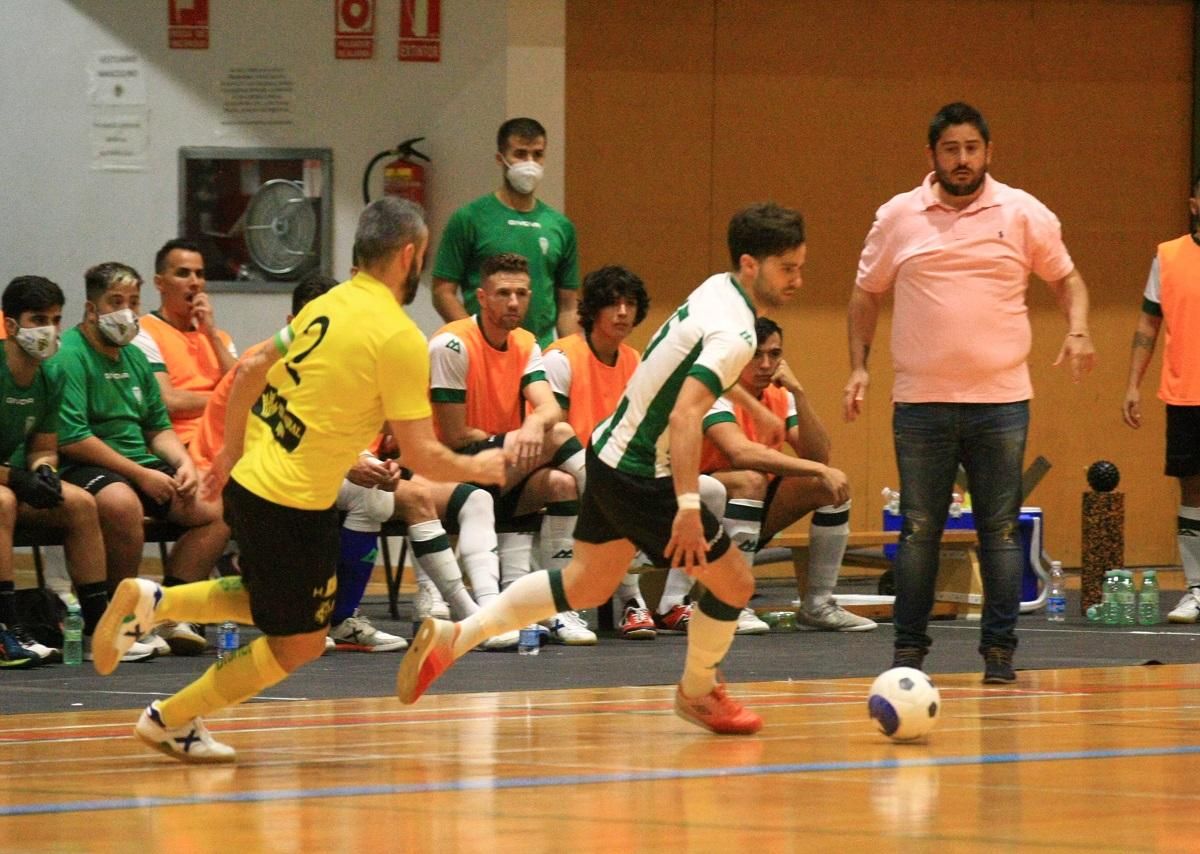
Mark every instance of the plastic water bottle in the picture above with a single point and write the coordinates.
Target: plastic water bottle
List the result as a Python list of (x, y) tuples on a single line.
[(891, 500), (1109, 614), (1056, 596), (73, 635), (228, 640), (1148, 614), (529, 641), (1127, 599)]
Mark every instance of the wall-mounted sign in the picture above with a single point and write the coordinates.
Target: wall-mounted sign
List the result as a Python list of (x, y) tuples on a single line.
[(420, 31), (187, 24), (354, 29)]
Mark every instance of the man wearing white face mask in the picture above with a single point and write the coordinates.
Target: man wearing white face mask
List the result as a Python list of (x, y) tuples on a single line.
[(30, 489), (512, 219), (117, 442)]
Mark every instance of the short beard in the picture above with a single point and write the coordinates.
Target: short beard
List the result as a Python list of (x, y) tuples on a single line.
[(955, 190), (411, 285)]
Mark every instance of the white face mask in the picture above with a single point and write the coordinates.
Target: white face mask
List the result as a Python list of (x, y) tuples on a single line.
[(118, 327), (40, 342), (524, 175)]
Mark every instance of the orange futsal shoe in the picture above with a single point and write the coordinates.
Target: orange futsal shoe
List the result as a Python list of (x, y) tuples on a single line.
[(429, 656), (717, 712)]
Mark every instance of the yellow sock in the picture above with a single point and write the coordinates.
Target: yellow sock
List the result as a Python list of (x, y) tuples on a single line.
[(226, 683), (207, 602)]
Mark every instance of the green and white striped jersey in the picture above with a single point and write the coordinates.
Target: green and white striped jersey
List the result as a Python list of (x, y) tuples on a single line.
[(709, 337)]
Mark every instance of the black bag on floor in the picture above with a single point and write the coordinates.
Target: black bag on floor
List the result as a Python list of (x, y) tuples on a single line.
[(42, 613)]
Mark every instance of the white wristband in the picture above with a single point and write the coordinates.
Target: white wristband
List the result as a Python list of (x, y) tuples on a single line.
[(688, 501)]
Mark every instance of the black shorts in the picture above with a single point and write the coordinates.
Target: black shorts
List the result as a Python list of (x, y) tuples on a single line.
[(95, 478), (288, 560), (1183, 441), (621, 506), (766, 536), (505, 502)]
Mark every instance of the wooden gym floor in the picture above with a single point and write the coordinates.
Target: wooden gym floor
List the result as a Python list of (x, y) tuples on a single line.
[(1091, 760)]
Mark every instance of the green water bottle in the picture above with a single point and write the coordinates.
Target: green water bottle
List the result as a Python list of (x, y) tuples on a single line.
[(1148, 614)]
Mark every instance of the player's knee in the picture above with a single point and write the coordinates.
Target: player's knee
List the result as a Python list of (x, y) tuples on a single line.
[(414, 502), (79, 505), (294, 651), (560, 486), (746, 484), (119, 507), (561, 433)]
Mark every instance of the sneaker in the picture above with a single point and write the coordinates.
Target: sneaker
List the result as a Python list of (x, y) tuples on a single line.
[(832, 617), (636, 622), (356, 633), (183, 638), (129, 615), (909, 656), (502, 642), (675, 621), (748, 623), (1188, 609), (569, 628), (137, 651), (997, 666), (330, 644), (428, 602), (12, 654), (717, 712), (157, 646), (191, 742), (429, 656), (45, 654)]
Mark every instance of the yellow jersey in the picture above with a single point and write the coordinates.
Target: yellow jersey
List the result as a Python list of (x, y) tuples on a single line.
[(352, 359)]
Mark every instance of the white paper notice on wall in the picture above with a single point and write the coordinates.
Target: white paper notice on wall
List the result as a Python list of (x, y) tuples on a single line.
[(119, 139), (116, 79)]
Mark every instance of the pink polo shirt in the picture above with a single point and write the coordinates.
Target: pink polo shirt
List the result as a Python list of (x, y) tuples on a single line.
[(960, 327)]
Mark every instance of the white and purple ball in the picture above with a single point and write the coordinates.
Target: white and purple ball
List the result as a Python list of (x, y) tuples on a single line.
[(904, 703)]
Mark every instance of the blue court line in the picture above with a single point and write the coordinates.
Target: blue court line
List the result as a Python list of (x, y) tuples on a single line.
[(268, 795)]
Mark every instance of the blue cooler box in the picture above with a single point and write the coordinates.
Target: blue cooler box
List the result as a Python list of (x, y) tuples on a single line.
[(1030, 523)]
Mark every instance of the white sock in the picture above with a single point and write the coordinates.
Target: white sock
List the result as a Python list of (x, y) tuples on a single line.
[(712, 495), (629, 589), (477, 545), (828, 534), (515, 548), (574, 465), (1189, 543), (432, 556), (708, 640), (555, 544), (678, 586), (528, 600), (742, 521)]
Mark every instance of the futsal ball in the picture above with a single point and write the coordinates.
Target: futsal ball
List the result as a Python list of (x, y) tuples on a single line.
[(1103, 476), (904, 703)]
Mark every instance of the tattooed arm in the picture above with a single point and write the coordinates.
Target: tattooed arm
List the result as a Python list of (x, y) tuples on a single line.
[(1142, 351)]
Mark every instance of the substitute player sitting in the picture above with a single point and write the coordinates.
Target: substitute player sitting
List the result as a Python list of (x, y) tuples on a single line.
[(769, 490), (489, 390)]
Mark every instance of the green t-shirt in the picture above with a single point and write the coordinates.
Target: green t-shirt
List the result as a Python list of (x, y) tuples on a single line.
[(117, 401), (487, 227), (27, 410)]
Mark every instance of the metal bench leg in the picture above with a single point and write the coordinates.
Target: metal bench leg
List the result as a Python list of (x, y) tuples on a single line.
[(394, 573)]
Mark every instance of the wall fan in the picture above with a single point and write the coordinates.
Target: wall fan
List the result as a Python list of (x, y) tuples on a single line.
[(281, 228)]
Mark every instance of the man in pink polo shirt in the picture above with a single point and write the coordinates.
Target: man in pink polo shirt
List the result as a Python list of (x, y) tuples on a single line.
[(958, 250)]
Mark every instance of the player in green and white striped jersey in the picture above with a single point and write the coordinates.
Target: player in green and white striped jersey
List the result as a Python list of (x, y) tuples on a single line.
[(643, 471)]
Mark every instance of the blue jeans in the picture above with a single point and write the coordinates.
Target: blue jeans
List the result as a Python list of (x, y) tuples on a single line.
[(989, 441)]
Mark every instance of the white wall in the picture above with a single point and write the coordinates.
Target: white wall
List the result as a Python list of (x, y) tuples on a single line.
[(59, 215)]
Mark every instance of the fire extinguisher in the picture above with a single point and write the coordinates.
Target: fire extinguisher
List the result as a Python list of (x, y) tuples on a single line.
[(403, 177)]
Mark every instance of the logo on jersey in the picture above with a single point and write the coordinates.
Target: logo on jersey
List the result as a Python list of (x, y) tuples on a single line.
[(454, 344), (287, 429), (545, 244)]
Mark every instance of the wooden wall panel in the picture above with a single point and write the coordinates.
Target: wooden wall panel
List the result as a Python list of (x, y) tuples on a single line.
[(824, 107)]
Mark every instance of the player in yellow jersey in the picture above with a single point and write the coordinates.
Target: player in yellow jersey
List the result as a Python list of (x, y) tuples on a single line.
[(349, 361)]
